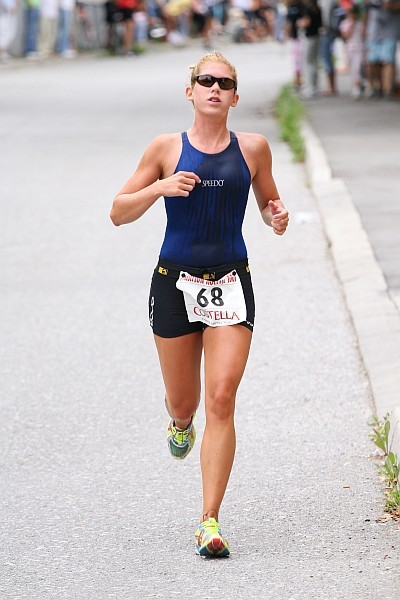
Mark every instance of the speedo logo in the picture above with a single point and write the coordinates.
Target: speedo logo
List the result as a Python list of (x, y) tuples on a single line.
[(212, 182)]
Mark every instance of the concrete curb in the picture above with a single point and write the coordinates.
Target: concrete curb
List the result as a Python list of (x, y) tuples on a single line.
[(375, 315)]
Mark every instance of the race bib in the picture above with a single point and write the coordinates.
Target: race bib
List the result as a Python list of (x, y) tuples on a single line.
[(214, 303)]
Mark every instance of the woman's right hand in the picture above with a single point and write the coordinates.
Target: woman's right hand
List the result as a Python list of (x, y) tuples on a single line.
[(145, 187), (179, 184)]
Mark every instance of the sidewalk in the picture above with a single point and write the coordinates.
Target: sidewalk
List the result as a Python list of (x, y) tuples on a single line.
[(353, 166)]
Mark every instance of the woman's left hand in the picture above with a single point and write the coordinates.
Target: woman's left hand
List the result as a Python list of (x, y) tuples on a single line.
[(279, 219)]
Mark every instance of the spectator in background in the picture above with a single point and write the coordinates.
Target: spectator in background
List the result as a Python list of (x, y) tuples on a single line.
[(238, 27), (247, 6), (295, 11), (373, 34), (48, 27), (109, 14), (311, 24), (127, 8), (65, 21), (265, 19), (157, 28), (352, 31), (390, 34), (280, 19), (141, 19), (327, 40), (31, 31), (177, 15), (8, 27), (205, 18), (383, 30), (86, 33), (220, 15)]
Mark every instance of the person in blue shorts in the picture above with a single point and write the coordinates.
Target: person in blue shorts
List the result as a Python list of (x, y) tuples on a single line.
[(382, 33), (201, 298)]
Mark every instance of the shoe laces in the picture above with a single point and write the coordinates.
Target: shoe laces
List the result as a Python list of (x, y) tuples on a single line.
[(181, 435), (211, 524)]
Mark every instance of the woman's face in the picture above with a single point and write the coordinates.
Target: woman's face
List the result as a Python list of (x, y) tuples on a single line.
[(213, 100)]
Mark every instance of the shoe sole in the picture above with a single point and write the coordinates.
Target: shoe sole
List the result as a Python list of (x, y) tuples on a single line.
[(175, 456), (215, 548)]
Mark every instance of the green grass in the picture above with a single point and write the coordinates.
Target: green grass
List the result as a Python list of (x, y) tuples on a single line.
[(289, 111), (389, 467)]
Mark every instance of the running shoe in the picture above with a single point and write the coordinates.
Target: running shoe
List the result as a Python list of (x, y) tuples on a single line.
[(180, 442), (209, 540)]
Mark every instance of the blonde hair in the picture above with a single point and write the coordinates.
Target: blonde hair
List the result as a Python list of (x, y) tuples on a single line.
[(213, 57)]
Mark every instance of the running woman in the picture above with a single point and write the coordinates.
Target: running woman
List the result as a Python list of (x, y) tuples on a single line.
[(201, 297)]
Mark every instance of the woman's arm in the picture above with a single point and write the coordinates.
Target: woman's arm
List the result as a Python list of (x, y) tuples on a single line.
[(271, 207), (144, 187)]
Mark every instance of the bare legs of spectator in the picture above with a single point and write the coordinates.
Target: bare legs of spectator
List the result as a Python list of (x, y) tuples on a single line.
[(326, 44), (129, 32), (310, 66), (206, 33), (355, 62), (297, 60), (374, 76), (332, 83), (387, 79)]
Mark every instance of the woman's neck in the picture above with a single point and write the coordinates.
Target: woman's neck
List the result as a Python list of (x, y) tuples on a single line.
[(209, 136)]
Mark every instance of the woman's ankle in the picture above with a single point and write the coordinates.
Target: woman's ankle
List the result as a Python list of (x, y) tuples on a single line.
[(210, 514), (182, 425)]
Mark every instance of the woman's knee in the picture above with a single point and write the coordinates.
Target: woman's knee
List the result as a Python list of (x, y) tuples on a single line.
[(182, 408), (220, 403)]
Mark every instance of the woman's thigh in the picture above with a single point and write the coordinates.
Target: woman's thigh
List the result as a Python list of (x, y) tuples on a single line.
[(180, 359), (226, 350)]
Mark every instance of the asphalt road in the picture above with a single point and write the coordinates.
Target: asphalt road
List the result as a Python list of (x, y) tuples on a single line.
[(92, 505)]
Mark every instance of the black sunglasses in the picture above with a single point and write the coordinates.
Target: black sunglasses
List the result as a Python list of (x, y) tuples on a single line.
[(208, 81)]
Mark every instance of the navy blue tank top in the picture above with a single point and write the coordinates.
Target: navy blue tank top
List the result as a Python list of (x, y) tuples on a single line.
[(205, 228)]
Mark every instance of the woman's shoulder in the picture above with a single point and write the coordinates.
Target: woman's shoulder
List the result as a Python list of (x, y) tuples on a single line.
[(164, 150), (161, 147), (255, 150), (164, 140), (253, 142)]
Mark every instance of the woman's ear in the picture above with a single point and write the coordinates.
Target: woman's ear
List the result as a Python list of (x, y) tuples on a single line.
[(235, 100), (189, 93)]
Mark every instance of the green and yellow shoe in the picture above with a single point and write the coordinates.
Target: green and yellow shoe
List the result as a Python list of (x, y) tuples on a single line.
[(180, 442), (209, 540)]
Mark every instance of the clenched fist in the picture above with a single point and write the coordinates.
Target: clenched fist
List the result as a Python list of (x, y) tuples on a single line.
[(179, 184)]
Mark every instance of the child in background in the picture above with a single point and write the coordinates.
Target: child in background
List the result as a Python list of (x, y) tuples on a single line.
[(295, 11), (352, 31)]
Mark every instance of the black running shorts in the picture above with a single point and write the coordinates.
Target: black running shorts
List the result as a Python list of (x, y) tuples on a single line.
[(167, 311)]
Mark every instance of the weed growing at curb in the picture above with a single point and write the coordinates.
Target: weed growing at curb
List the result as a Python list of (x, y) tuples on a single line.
[(290, 111), (389, 467)]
